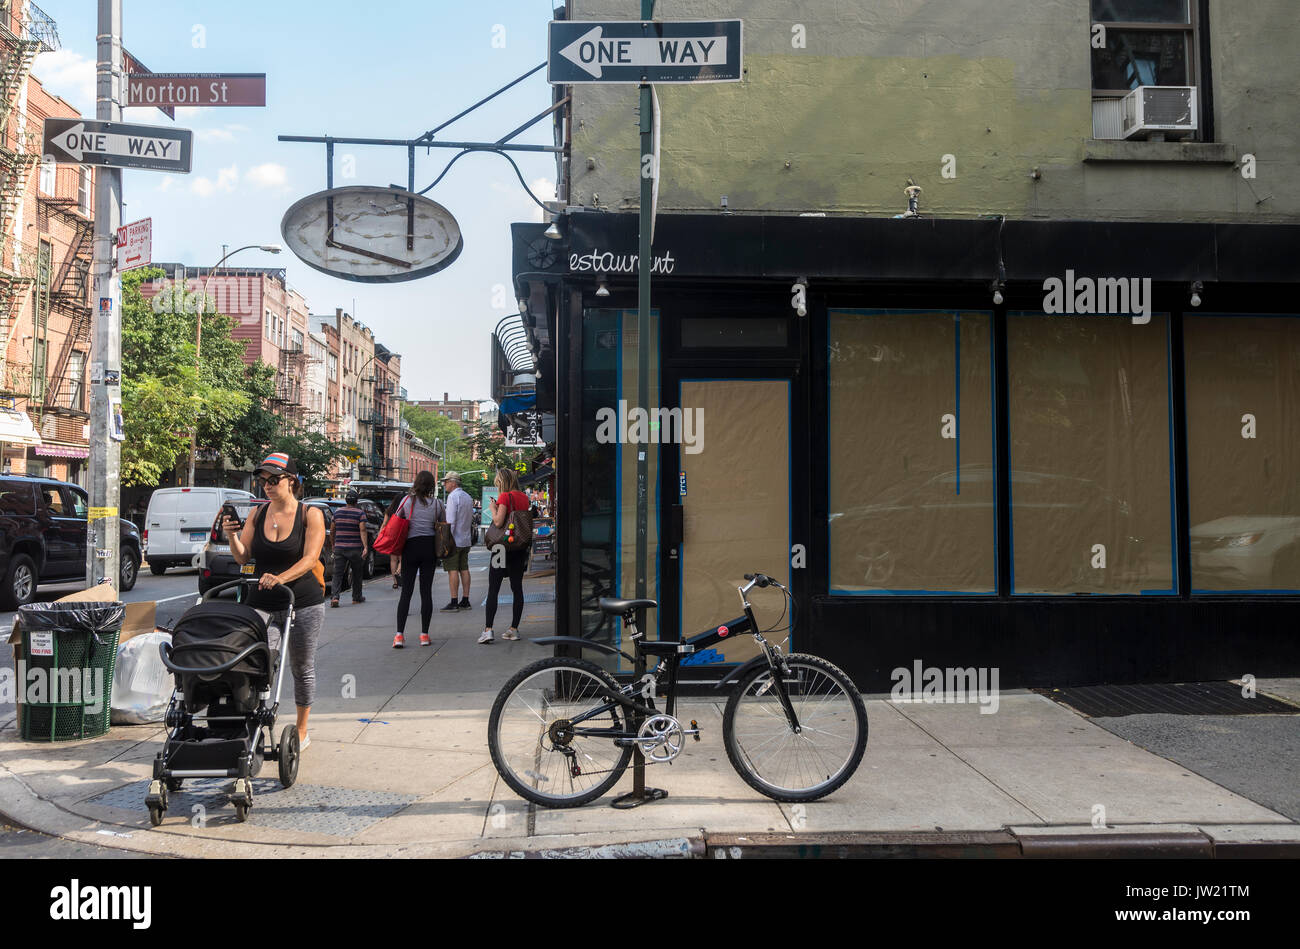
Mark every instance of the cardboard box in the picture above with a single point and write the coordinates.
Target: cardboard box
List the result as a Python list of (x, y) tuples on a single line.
[(140, 617)]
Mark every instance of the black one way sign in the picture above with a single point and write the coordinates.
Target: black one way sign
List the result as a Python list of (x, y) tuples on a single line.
[(88, 142), (636, 51)]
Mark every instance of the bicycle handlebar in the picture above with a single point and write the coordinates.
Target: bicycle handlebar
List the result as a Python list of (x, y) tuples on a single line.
[(759, 580)]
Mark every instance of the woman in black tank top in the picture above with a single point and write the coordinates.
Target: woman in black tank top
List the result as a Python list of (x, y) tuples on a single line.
[(284, 538)]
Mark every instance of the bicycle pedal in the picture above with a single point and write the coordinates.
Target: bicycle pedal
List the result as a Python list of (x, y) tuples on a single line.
[(625, 742), (695, 729)]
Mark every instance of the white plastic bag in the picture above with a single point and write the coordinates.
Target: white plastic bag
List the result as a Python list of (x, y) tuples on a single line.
[(142, 686)]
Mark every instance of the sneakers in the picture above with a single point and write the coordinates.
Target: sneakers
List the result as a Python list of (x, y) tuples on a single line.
[(464, 604), (399, 641), (451, 607), (424, 639), (334, 603), (304, 744), (486, 637), (510, 634)]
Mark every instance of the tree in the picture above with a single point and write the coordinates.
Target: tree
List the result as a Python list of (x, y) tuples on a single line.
[(429, 425), (165, 395)]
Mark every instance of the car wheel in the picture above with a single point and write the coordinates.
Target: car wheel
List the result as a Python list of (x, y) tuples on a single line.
[(157, 569), (20, 582), (128, 569)]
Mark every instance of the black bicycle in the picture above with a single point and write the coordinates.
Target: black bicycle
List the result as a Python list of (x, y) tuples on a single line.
[(562, 730)]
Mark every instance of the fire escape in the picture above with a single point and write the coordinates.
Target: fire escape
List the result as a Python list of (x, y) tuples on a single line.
[(290, 380), (19, 154), (383, 462)]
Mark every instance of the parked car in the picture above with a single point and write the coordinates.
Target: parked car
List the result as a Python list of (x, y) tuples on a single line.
[(176, 525), (216, 563), (43, 538), (374, 519)]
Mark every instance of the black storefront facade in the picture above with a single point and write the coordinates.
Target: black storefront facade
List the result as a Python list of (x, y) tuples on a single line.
[(1068, 497)]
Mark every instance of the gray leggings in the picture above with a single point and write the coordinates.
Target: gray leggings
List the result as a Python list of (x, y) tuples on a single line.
[(302, 649)]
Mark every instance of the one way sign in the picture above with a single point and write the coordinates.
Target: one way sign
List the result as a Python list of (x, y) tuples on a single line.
[(637, 51), (88, 142)]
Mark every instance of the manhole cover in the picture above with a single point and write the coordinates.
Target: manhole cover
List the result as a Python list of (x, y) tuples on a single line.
[(309, 808), (1178, 698)]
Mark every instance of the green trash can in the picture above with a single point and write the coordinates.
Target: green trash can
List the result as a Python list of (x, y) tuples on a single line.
[(68, 651)]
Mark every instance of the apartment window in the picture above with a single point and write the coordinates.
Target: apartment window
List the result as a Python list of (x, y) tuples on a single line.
[(297, 341), (83, 190), (76, 369), (47, 177), (1142, 43)]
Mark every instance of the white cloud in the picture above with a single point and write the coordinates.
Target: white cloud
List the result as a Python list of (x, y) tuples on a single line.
[(225, 133), (165, 182), (70, 75), (227, 179), (268, 175)]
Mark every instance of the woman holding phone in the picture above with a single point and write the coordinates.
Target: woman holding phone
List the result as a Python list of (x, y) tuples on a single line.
[(284, 538)]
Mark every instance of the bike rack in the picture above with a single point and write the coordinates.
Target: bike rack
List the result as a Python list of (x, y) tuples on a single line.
[(640, 794)]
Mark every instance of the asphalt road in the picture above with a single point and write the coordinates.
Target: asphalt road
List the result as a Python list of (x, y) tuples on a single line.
[(19, 844)]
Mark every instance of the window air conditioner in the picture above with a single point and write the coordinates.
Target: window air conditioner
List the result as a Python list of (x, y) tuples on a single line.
[(1166, 110)]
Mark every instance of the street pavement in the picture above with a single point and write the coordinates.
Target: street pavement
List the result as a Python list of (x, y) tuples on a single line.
[(399, 766)]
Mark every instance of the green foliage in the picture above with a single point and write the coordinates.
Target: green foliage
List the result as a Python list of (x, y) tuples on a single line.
[(165, 395)]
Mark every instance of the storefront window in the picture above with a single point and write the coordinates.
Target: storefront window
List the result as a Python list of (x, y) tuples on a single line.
[(1091, 498), (1243, 452), (912, 480), (609, 472)]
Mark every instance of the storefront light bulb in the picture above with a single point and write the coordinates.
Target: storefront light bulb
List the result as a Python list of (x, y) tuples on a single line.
[(1196, 299), (603, 289), (997, 296)]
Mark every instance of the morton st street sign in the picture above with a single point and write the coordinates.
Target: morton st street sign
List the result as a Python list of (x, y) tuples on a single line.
[(650, 51), (88, 142)]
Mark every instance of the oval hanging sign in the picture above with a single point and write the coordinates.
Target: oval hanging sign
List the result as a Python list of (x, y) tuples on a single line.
[(372, 235)]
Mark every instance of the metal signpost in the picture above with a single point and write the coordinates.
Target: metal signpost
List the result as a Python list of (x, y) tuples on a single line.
[(644, 52), (105, 399)]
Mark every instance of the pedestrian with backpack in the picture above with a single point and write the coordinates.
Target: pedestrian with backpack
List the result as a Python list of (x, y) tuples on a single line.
[(508, 539)]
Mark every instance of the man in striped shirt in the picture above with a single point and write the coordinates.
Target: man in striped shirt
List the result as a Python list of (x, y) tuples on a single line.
[(351, 544)]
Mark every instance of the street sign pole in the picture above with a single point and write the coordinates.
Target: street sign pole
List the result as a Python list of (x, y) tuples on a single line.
[(640, 793), (102, 548)]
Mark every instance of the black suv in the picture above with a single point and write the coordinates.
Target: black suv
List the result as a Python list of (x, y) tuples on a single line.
[(374, 520), (43, 538)]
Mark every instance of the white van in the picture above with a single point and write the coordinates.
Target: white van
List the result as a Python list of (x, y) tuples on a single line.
[(178, 523)]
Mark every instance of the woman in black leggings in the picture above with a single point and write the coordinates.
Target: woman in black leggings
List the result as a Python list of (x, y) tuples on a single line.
[(419, 557), (509, 498)]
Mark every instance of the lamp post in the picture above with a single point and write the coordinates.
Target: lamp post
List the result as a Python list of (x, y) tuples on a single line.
[(198, 328)]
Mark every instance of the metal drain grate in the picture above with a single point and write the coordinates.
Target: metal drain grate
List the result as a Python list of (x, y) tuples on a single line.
[(309, 808), (1179, 698)]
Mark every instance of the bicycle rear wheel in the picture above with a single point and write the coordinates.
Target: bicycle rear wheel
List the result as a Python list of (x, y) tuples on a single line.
[(532, 746), (766, 751)]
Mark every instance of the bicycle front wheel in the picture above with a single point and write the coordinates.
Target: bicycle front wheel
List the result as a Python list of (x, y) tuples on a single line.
[(538, 748), (789, 765)]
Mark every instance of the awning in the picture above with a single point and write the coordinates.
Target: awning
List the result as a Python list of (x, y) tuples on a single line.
[(49, 450), (511, 404), (16, 428), (541, 474)]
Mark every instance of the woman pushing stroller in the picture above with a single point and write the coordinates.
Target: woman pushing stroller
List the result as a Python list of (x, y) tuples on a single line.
[(284, 539)]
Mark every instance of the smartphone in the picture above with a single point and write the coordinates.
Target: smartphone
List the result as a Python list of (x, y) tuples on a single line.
[(228, 510)]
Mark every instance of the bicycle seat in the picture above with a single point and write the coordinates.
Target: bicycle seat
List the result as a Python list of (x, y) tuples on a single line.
[(619, 607)]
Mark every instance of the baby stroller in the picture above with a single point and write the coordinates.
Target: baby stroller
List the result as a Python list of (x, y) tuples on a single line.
[(221, 720)]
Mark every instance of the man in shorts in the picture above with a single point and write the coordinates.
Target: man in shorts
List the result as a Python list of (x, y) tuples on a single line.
[(460, 515)]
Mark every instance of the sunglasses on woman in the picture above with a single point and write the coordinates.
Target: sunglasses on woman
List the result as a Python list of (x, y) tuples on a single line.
[(271, 480)]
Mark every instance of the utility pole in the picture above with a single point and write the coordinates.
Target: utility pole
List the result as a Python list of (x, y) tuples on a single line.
[(103, 548)]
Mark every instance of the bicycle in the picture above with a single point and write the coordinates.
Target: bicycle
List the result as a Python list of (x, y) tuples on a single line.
[(562, 730)]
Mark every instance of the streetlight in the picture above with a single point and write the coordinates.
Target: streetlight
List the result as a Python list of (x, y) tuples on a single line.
[(198, 329)]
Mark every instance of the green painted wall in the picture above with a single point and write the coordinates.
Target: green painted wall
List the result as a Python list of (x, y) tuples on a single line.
[(883, 91)]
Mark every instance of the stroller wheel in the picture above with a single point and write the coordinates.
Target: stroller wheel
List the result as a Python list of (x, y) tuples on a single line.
[(156, 801), (241, 811), (289, 756), (156, 813)]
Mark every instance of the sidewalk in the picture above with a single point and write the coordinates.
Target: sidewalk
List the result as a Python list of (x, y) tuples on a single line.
[(399, 766)]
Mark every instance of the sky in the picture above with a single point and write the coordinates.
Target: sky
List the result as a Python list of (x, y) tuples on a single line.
[(384, 69)]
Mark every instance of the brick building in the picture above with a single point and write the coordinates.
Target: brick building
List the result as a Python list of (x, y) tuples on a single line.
[(46, 224)]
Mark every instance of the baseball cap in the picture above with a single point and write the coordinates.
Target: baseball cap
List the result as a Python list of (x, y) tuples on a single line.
[(278, 463), (452, 476)]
